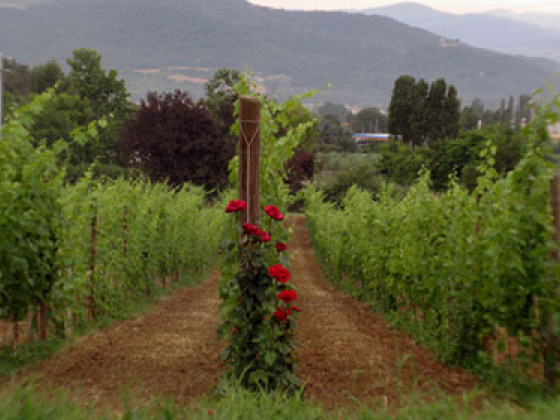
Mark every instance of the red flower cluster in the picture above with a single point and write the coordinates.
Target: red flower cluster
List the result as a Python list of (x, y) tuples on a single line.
[(287, 296), (281, 246), (279, 273), (264, 236), (273, 212), (281, 315), (250, 229), (236, 205)]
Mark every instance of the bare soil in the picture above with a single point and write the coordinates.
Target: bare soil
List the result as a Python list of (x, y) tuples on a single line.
[(346, 354)]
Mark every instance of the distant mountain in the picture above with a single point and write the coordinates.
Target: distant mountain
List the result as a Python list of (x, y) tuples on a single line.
[(549, 21), (168, 44), (500, 30)]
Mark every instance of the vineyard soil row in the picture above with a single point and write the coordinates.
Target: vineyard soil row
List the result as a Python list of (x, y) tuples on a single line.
[(346, 351)]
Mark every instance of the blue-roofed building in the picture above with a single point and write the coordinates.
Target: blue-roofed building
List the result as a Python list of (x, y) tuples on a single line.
[(367, 139)]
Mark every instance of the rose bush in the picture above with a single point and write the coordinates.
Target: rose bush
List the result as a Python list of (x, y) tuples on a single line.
[(258, 319)]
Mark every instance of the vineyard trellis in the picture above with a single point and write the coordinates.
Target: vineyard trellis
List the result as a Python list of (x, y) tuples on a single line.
[(72, 253), (469, 273)]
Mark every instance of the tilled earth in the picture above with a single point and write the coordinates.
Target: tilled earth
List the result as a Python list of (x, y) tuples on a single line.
[(346, 354)]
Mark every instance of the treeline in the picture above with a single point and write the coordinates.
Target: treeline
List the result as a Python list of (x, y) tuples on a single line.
[(429, 130), (191, 138)]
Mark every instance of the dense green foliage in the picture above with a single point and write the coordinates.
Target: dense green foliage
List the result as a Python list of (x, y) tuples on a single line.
[(421, 113), (401, 163), (332, 136), (369, 120), (360, 59), (95, 242), (172, 138), (453, 268)]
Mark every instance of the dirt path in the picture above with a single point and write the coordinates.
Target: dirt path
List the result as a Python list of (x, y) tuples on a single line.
[(346, 351), (170, 351)]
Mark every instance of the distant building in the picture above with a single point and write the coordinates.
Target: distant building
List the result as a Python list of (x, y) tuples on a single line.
[(367, 139)]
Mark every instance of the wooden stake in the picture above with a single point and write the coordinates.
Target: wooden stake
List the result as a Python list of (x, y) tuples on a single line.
[(43, 321), (550, 354), (93, 254), (249, 157)]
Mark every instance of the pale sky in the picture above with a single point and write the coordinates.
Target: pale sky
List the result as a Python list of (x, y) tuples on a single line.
[(455, 6)]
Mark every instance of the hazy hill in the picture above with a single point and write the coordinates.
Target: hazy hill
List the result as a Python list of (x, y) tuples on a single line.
[(550, 21), (178, 43), (499, 30)]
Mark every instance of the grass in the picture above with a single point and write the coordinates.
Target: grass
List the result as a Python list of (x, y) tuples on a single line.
[(28, 404), (13, 361)]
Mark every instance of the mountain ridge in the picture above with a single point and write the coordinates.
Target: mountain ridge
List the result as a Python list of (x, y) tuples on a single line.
[(359, 55), (501, 31)]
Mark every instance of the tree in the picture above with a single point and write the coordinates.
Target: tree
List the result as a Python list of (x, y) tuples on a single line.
[(435, 110), (339, 110), (469, 118), (299, 169), (331, 134), (16, 84), (221, 97), (106, 95), (451, 114), (45, 76), (418, 122), (294, 115), (420, 114), (172, 138), (401, 106), (107, 98), (523, 114), (369, 120)]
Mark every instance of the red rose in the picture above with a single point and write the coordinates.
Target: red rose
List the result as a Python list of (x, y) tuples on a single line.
[(273, 212), (279, 273), (250, 229), (236, 205), (281, 246), (287, 295), (296, 309), (234, 330), (280, 315), (264, 236)]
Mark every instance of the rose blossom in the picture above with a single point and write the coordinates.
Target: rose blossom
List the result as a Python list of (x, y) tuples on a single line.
[(273, 212), (280, 315), (236, 205), (281, 246), (250, 229), (264, 236), (287, 295), (279, 273)]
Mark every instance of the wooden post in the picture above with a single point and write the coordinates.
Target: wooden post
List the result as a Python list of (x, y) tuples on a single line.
[(550, 354), (93, 254), (43, 321), (249, 157), (125, 233)]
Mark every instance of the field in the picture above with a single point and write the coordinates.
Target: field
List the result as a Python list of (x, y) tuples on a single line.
[(130, 298)]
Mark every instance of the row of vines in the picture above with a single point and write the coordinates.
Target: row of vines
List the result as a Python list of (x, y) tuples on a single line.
[(72, 253), (469, 273)]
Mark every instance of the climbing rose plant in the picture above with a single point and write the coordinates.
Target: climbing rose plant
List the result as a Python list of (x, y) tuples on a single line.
[(258, 313)]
